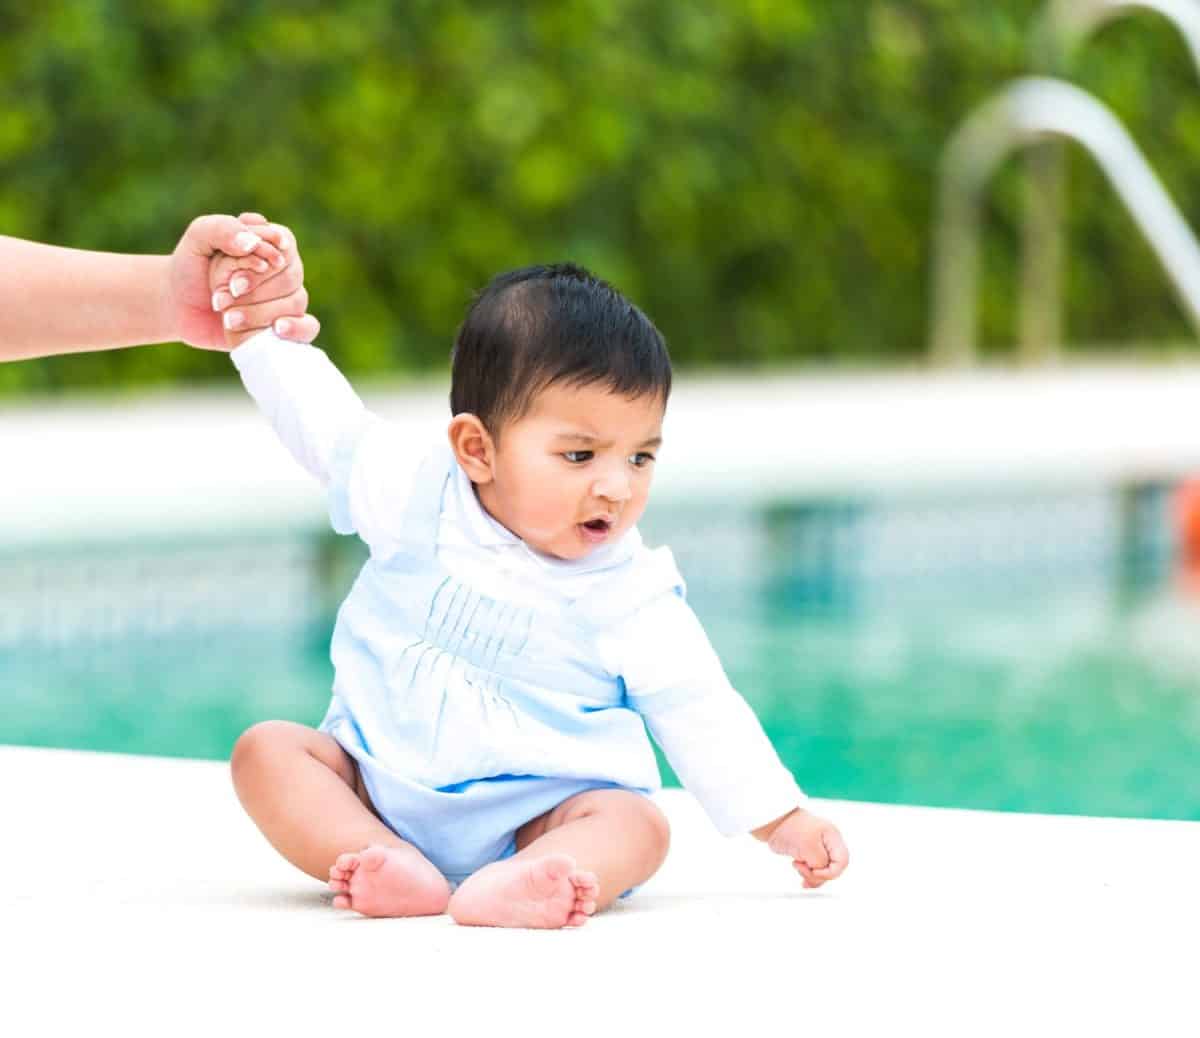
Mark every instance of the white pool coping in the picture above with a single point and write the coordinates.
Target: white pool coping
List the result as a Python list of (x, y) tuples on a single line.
[(140, 900), (201, 460)]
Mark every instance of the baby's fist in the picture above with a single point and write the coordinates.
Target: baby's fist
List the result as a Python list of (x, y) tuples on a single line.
[(814, 844)]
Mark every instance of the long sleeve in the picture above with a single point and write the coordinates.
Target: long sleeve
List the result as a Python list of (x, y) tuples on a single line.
[(359, 459), (707, 730)]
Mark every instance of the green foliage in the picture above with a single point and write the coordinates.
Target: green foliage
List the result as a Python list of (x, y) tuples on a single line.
[(757, 176)]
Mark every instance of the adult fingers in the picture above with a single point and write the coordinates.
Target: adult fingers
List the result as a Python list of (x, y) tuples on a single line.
[(298, 329), (221, 269), (230, 279), (255, 269), (274, 234), (218, 233), (258, 315), (246, 289), (255, 220)]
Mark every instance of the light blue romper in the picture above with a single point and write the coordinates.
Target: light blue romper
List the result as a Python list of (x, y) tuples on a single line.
[(485, 714)]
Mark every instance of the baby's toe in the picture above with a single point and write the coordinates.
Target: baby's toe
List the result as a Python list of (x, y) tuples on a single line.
[(339, 885), (341, 901), (373, 858), (586, 907), (347, 862)]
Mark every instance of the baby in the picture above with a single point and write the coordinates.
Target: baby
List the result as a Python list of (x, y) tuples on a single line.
[(510, 638)]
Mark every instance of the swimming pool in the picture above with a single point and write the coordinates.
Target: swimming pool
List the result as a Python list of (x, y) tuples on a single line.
[(1027, 650)]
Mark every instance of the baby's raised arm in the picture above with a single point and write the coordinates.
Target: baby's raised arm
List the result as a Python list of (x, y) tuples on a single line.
[(313, 409)]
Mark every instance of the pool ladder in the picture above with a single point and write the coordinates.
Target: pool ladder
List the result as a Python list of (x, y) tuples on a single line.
[(1041, 111)]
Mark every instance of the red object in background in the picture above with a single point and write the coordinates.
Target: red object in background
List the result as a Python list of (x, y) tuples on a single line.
[(1187, 514)]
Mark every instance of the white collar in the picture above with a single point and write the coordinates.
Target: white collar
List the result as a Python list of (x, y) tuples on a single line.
[(486, 531)]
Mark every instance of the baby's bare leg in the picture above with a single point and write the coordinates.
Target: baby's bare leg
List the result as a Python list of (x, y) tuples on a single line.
[(305, 794), (570, 862)]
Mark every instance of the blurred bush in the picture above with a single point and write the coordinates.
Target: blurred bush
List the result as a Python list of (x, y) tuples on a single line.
[(756, 175)]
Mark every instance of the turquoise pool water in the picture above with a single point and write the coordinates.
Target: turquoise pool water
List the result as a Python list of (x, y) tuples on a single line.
[(1022, 672)]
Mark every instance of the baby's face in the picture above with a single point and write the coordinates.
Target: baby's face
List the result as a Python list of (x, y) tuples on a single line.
[(574, 472)]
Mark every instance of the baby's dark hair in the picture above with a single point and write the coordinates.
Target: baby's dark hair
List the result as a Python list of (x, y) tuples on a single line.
[(538, 326)]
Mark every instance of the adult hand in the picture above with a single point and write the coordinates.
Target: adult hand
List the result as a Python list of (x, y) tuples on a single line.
[(262, 250), (250, 299)]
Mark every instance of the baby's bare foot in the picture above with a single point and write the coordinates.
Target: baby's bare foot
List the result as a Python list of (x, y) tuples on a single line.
[(545, 893), (388, 881)]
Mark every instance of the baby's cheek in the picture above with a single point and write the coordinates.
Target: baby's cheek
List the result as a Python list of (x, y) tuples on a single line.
[(546, 516)]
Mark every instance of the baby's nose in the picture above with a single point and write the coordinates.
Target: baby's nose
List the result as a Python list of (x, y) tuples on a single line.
[(613, 488)]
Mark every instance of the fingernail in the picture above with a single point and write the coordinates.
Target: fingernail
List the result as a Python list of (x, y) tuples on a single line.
[(246, 241), (282, 327), (261, 266), (235, 319), (238, 286), (218, 301), (284, 241), (281, 260)]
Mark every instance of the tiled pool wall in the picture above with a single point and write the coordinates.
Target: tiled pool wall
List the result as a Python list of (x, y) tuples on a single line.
[(839, 555)]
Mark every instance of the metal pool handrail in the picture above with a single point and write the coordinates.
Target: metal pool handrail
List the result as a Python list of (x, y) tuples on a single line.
[(1063, 27), (1066, 24), (1023, 112)]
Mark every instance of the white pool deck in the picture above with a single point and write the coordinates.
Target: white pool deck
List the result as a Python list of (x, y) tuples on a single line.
[(140, 900)]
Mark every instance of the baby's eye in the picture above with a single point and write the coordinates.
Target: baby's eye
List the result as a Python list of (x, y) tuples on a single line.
[(642, 459), (578, 457)]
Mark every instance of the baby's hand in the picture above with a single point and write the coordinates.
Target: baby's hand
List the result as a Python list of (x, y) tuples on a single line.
[(815, 846), (252, 298)]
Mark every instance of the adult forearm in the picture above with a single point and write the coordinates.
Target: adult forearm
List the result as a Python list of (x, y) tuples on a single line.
[(58, 300)]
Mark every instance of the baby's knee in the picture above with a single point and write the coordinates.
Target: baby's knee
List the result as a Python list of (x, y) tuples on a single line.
[(639, 816), (658, 829), (272, 749), (646, 818), (256, 745)]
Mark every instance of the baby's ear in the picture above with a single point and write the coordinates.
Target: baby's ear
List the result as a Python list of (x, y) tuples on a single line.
[(472, 446)]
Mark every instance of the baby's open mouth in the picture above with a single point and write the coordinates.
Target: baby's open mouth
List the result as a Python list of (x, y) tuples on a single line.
[(595, 531)]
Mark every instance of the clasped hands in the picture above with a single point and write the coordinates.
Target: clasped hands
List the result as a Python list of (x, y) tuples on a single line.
[(229, 278)]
